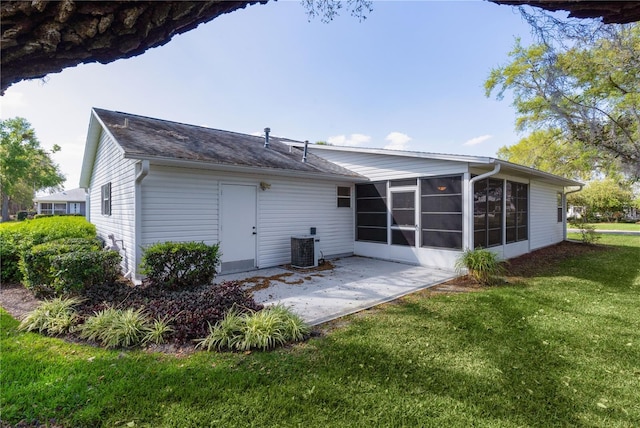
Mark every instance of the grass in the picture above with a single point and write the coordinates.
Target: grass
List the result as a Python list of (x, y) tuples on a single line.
[(616, 226), (560, 348)]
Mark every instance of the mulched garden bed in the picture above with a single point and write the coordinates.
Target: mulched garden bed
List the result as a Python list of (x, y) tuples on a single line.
[(192, 308)]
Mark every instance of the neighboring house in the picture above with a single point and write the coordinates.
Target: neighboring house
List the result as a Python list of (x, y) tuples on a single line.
[(151, 180), (72, 201)]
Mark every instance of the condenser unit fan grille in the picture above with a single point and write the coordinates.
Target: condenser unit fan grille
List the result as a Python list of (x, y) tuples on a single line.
[(302, 252)]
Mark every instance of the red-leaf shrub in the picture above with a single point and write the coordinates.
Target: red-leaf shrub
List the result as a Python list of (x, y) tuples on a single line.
[(190, 310)]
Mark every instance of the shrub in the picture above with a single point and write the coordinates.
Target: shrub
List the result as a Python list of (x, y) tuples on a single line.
[(193, 310), (481, 264), (190, 310), (587, 231), (55, 316), (36, 262), (77, 270), (263, 330), (16, 238), (22, 215), (9, 259), (180, 264)]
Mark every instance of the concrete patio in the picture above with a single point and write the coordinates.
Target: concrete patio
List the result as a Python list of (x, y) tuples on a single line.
[(353, 284)]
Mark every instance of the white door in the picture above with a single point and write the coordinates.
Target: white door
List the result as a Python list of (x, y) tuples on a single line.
[(74, 208), (238, 227)]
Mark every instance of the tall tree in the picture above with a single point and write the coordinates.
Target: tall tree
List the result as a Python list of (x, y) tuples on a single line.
[(23, 162), (607, 198), (583, 80), (548, 150)]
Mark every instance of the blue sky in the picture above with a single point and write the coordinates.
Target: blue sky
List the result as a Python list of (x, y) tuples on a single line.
[(408, 77)]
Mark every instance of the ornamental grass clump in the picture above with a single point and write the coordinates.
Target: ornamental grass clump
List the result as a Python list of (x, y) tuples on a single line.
[(225, 334), (265, 329), (53, 317), (482, 265), (115, 328), (158, 331)]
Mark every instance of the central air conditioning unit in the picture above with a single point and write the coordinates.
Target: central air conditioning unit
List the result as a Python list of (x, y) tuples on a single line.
[(305, 250)]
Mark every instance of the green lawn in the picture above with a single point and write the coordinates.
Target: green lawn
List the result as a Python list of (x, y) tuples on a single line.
[(615, 226), (558, 349)]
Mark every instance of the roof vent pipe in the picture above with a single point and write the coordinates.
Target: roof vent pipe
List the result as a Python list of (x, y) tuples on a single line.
[(266, 137), (304, 154)]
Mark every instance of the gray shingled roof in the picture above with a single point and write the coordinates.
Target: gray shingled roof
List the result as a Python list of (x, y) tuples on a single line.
[(73, 195), (144, 137)]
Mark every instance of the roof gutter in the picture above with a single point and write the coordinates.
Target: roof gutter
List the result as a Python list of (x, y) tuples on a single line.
[(574, 191), (496, 169), (144, 170), (137, 209)]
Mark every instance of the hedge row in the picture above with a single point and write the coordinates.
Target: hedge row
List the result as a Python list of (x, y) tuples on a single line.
[(15, 238), (177, 265), (68, 265)]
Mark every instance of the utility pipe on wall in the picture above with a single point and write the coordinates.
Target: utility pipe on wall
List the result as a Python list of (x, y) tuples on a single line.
[(140, 175)]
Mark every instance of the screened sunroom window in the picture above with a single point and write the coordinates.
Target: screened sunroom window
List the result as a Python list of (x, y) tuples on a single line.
[(441, 212), (371, 212), (517, 198), (487, 213)]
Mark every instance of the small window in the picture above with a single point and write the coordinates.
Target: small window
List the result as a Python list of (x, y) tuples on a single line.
[(106, 199), (344, 197), (46, 208), (560, 210)]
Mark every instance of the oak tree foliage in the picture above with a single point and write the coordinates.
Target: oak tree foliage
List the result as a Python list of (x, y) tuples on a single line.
[(24, 164), (582, 80)]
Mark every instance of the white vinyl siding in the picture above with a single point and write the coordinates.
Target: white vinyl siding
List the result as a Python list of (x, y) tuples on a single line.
[(292, 207), (378, 167), (110, 166), (180, 204), (544, 229)]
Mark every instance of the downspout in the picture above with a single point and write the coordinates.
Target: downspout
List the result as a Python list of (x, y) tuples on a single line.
[(140, 175), (495, 170), (564, 220)]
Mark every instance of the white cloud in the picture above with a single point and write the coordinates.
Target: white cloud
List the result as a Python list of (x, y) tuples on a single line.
[(477, 140), (352, 140), (397, 141)]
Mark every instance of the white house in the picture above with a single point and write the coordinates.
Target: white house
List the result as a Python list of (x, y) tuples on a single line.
[(66, 202), (152, 180)]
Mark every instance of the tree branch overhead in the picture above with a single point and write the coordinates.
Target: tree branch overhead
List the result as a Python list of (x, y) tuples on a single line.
[(42, 37)]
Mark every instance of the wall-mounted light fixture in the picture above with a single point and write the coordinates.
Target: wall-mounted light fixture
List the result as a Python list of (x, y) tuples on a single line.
[(264, 185)]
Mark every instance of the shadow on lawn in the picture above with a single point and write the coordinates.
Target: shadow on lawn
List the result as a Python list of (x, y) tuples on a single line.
[(613, 266)]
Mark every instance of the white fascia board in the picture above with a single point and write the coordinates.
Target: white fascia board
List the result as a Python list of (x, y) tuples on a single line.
[(182, 163), (471, 160), (545, 176), (404, 153), (96, 128)]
